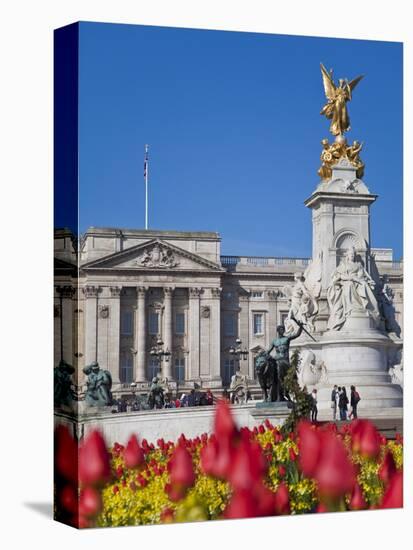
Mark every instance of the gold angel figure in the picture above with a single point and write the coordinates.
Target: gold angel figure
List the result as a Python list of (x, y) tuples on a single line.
[(336, 109)]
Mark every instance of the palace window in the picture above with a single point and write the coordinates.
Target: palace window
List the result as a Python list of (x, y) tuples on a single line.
[(180, 369), (229, 324), (126, 367), (179, 323), (283, 317), (229, 371), (126, 323), (153, 323), (258, 323), (153, 368)]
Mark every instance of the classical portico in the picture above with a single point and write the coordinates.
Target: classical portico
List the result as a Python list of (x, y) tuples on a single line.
[(139, 289)]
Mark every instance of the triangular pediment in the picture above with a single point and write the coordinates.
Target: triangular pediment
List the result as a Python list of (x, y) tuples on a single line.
[(154, 255)]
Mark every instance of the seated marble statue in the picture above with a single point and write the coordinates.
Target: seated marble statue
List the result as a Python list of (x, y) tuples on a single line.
[(351, 289)]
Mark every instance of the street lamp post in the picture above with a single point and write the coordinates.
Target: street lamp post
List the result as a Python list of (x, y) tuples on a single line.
[(237, 352), (158, 351)]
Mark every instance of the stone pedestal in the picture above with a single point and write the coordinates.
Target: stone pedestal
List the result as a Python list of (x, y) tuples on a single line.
[(276, 412), (356, 355)]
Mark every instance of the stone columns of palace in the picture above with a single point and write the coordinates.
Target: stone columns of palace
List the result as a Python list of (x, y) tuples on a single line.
[(167, 332), (91, 333), (140, 335), (194, 332), (114, 334), (215, 335), (65, 342)]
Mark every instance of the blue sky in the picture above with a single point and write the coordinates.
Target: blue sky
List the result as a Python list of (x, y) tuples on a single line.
[(233, 124)]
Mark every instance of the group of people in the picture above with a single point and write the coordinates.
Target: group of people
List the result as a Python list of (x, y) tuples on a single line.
[(339, 403), (192, 399)]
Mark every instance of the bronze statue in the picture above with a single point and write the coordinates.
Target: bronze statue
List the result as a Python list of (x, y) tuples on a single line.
[(281, 345), (99, 384), (266, 369), (338, 96), (63, 393), (156, 398)]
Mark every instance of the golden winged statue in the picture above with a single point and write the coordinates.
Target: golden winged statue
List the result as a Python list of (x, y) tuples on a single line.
[(336, 109)]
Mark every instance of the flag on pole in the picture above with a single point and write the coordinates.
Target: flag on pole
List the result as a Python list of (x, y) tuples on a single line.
[(145, 164), (145, 177)]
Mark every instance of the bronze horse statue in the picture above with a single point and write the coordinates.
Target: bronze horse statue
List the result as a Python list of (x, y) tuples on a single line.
[(267, 374)]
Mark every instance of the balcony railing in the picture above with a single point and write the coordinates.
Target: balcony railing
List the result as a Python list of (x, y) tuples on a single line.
[(263, 261), (267, 261)]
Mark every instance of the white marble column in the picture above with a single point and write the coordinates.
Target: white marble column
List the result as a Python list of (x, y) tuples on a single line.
[(114, 334), (245, 330), (194, 332), (91, 335), (215, 337), (167, 331), (140, 335)]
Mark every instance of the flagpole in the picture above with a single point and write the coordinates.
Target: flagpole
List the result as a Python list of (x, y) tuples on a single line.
[(146, 170)]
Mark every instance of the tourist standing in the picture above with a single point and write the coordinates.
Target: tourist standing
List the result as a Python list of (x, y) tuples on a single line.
[(354, 399), (314, 409), (334, 401), (343, 404), (210, 397)]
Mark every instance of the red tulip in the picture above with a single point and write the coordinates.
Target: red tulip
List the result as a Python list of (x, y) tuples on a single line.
[(321, 508), (387, 468), (115, 490), (393, 497), (94, 464), (323, 457), (282, 500), (141, 480), (175, 492), (292, 454), (248, 466), (357, 501), (68, 499), (335, 473), (282, 470), (277, 437), (66, 454), (241, 505), (133, 454), (224, 425), (309, 445), (83, 523), (90, 502), (366, 439), (167, 515), (216, 458), (181, 468)]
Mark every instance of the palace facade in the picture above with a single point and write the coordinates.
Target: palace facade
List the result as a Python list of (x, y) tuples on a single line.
[(137, 288)]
